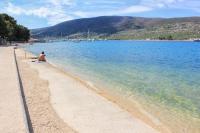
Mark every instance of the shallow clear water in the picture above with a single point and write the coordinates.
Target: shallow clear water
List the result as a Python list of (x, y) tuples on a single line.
[(166, 73)]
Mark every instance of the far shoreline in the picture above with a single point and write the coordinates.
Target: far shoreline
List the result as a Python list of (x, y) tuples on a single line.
[(85, 40)]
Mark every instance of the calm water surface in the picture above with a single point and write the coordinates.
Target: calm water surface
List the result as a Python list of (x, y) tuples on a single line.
[(165, 73)]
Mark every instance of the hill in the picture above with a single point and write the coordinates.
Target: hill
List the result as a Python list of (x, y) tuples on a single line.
[(119, 27)]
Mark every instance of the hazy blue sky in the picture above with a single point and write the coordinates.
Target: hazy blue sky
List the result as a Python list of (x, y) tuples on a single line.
[(42, 13)]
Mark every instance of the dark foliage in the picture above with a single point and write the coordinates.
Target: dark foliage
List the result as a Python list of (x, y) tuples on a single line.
[(11, 31)]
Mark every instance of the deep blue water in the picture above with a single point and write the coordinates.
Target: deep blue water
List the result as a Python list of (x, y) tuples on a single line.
[(167, 73)]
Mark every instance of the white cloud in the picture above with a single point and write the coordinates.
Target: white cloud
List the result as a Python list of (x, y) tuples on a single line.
[(55, 11), (128, 10), (104, 2), (162, 3), (60, 2), (14, 9), (135, 9), (144, 6), (40, 12), (53, 15), (82, 14), (192, 5)]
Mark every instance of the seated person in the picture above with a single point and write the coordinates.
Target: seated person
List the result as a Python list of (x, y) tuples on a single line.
[(42, 57)]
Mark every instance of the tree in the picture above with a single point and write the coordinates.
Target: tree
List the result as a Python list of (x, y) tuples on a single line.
[(21, 33), (10, 26), (11, 31), (170, 37), (3, 28), (162, 38)]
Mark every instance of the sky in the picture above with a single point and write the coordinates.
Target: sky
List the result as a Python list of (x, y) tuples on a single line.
[(43, 13)]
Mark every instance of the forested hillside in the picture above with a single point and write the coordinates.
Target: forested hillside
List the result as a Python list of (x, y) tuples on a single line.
[(119, 27)]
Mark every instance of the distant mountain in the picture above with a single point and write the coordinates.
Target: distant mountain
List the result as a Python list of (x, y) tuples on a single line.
[(120, 27)]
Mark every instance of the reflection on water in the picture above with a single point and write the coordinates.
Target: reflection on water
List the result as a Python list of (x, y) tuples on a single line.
[(163, 73)]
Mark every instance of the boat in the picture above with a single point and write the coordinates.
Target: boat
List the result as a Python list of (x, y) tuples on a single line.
[(89, 36), (196, 40)]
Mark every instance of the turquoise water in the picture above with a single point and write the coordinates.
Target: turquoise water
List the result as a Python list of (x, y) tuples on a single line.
[(165, 73)]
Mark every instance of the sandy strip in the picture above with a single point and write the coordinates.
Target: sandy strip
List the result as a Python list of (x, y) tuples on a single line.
[(12, 115), (83, 109), (43, 117)]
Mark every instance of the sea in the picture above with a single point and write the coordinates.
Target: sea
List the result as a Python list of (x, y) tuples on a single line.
[(162, 76)]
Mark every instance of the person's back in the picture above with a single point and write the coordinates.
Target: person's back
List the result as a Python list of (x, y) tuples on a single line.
[(42, 57)]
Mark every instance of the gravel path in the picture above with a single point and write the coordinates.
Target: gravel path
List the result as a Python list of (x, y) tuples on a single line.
[(43, 117)]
